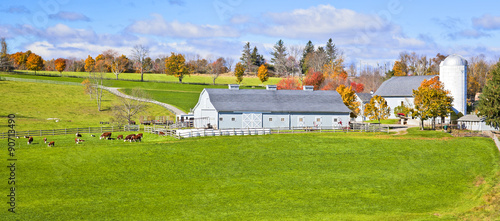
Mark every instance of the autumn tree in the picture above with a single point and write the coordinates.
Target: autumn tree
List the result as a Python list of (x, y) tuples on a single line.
[(314, 78), (119, 65), (217, 68), (263, 74), (139, 54), (357, 87), (60, 64), (377, 109), (289, 83), (89, 64), (88, 87), (350, 99), (431, 101), (403, 109), (400, 69), (239, 70), (176, 65), (5, 62), (34, 62), (489, 102)]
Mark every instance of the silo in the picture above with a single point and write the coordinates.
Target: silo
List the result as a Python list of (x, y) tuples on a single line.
[(453, 74)]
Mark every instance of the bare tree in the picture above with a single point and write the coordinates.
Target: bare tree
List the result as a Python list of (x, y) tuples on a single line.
[(229, 63), (119, 65), (96, 80), (128, 108), (139, 54), (5, 62)]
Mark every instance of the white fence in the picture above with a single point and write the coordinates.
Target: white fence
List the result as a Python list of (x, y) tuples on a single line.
[(187, 133)]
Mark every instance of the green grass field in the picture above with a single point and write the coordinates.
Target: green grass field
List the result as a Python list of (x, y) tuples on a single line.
[(34, 103), (207, 79), (274, 177)]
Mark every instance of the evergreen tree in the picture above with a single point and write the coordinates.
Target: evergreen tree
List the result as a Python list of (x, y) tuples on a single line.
[(246, 57), (308, 51), (256, 58), (331, 50), (279, 57), (489, 102)]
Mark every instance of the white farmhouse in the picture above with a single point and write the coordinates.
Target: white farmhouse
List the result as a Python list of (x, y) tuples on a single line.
[(270, 108)]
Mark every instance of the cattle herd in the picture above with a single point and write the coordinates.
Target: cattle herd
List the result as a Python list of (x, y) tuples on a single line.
[(105, 135)]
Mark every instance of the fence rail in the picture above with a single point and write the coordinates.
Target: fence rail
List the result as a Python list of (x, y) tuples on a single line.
[(41, 81), (65, 131)]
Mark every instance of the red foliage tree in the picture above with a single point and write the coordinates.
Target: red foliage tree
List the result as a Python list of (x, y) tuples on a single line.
[(289, 83), (358, 87), (313, 78)]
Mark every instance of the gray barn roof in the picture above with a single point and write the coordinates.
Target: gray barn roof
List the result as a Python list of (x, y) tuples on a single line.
[(401, 86), (365, 97), (277, 101)]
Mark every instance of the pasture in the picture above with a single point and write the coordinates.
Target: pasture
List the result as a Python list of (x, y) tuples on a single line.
[(315, 176), (248, 80), (38, 105)]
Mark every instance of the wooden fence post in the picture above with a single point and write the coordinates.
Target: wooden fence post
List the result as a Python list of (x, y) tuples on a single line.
[(53, 132)]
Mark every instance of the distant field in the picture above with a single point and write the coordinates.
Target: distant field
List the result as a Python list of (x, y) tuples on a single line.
[(274, 177), (34, 103), (207, 79)]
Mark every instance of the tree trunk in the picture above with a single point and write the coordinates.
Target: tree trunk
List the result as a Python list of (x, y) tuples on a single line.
[(421, 124)]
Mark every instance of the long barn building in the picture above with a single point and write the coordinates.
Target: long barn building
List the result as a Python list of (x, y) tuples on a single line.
[(270, 108)]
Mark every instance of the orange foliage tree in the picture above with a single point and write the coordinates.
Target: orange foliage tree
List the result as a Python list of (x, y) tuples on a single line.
[(60, 64), (314, 78), (34, 62), (400, 68), (89, 64), (358, 87), (289, 83)]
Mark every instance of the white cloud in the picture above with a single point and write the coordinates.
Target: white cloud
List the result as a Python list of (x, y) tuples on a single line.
[(158, 26), (323, 22), (488, 22)]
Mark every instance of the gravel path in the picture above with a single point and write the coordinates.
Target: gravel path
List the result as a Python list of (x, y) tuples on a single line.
[(169, 107)]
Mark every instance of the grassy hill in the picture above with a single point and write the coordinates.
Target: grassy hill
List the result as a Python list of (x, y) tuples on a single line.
[(35, 103), (273, 177)]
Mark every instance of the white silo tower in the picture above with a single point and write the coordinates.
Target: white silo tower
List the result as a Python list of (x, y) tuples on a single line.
[(453, 74)]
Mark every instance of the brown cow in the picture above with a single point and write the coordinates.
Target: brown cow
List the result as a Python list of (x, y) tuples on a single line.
[(129, 137), (30, 140), (51, 143), (120, 137), (77, 140), (161, 133), (136, 138), (105, 135)]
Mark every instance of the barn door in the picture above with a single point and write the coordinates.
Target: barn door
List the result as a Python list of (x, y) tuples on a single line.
[(252, 120)]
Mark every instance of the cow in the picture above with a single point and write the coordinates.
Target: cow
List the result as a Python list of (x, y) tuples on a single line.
[(30, 140), (136, 138), (161, 133), (120, 137), (77, 140), (26, 137), (129, 137), (92, 135), (105, 135), (78, 135), (140, 135), (51, 143), (45, 140)]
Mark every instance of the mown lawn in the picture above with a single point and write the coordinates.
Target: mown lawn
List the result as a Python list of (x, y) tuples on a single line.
[(274, 177), (206, 79), (35, 103)]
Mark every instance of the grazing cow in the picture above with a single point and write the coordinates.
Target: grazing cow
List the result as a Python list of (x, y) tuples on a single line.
[(105, 135), (77, 140), (26, 137), (30, 140), (161, 133), (136, 138), (92, 135), (45, 140), (78, 135), (129, 137), (140, 135), (120, 137), (51, 143)]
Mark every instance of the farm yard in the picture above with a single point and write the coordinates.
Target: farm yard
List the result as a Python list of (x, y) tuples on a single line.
[(273, 177), (422, 175)]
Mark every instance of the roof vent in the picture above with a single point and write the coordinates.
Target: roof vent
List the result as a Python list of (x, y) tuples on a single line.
[(308, 88), (271, 87), (234, 86)]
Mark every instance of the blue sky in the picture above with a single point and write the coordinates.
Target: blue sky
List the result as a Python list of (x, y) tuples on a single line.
[(366, 31)]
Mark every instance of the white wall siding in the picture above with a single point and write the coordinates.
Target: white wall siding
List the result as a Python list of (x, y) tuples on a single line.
[(394, 102), (204, 109)]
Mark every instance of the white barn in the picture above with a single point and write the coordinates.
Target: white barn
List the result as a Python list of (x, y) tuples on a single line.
[(399, 90), (270, 108)]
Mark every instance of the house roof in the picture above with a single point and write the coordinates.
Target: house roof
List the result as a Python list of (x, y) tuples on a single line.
[(471, 118), (365, 97), (401, 86), (277, 101)]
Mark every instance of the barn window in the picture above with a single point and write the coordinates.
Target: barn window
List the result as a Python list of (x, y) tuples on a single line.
[(233, 119), (270, 119), (318, 119), (335, 120), (220, 119), (301, 119), (282, 119)]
